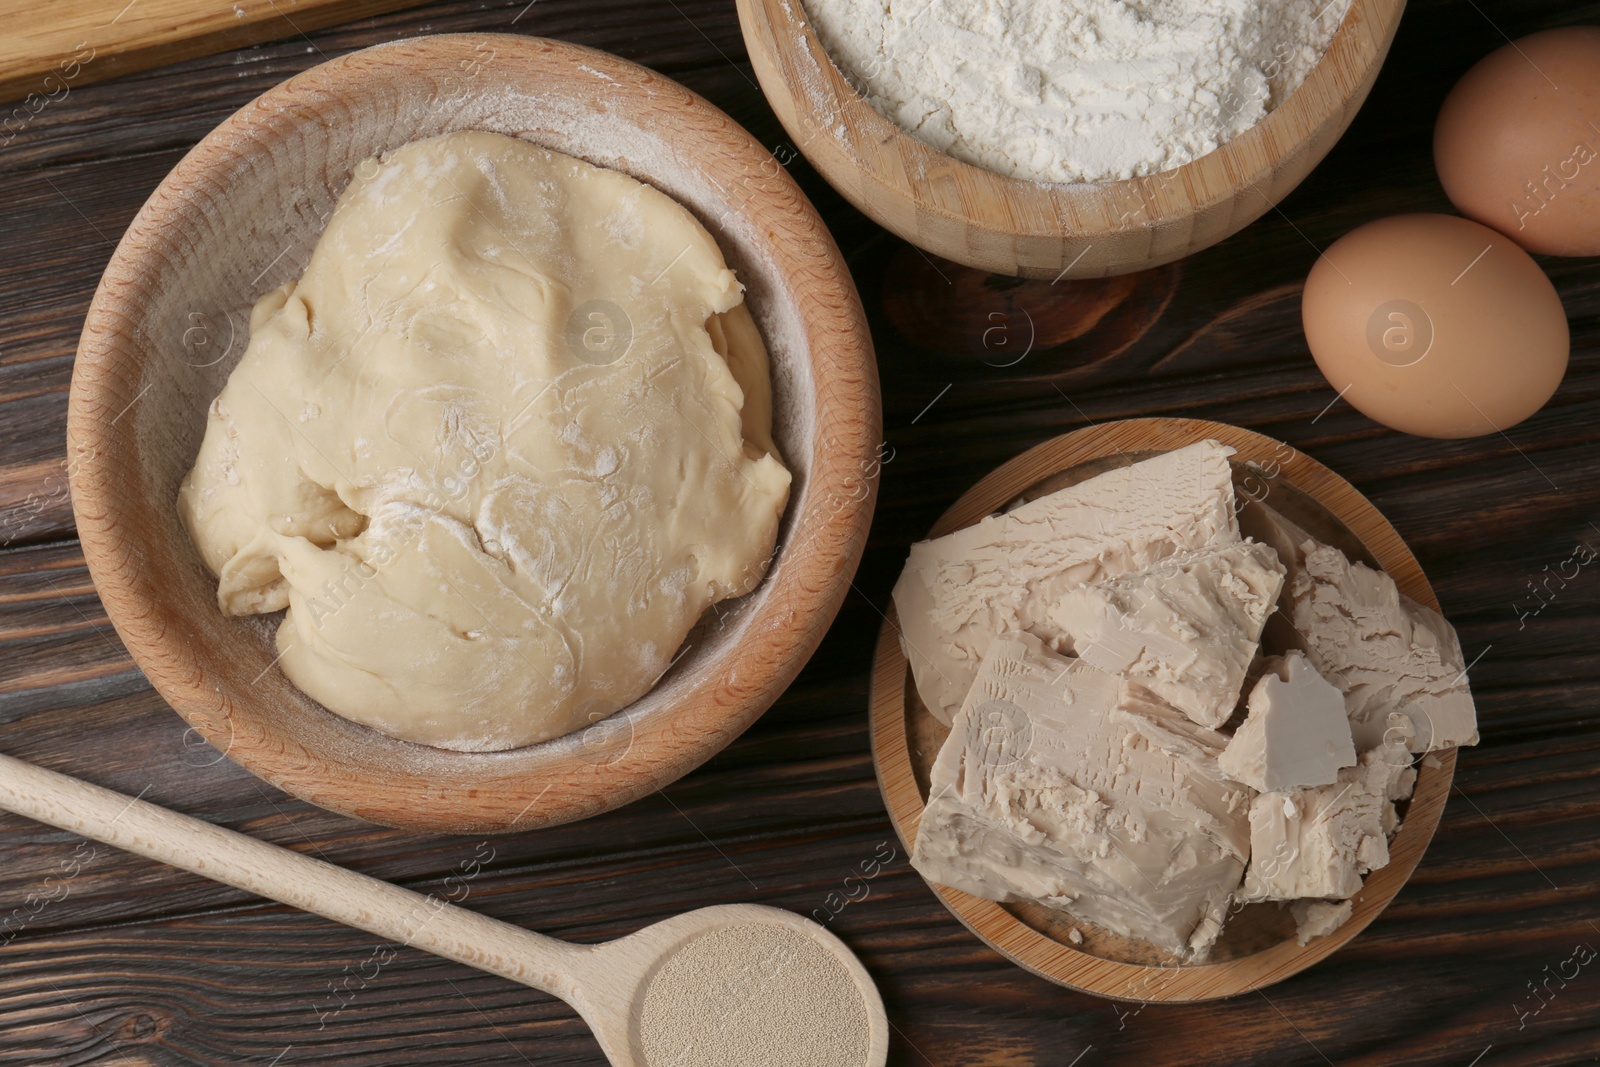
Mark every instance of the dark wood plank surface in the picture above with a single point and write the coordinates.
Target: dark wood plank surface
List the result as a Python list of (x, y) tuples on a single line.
[(113, 960)]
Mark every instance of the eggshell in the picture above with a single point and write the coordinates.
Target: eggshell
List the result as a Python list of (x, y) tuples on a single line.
[(1435, 325), (1517, 142)]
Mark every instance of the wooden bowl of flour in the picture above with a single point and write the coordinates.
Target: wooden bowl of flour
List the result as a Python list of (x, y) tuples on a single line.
[(1258, 945), (1055, 230), (239, 215)]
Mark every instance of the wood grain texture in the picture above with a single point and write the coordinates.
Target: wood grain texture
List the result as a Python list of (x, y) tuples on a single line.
[(1257, 947), (238, 216), (1055, 230), (140, 964), (84, 41)]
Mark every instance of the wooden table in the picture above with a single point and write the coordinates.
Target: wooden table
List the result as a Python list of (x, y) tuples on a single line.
[(111, 960)]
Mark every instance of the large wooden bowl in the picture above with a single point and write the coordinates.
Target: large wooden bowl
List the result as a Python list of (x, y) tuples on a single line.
[(1054, 230), (1258, 945), (240, 214)]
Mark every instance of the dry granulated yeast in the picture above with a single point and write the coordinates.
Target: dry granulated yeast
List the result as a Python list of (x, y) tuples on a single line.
[(755, 995)]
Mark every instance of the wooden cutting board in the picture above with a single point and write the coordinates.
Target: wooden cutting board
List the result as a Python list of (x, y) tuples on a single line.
[(44, 56)]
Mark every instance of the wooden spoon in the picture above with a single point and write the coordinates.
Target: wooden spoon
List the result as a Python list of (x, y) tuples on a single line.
[(648, 1005)]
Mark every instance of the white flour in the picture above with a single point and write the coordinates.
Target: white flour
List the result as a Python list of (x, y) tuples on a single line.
[(1076, 90)]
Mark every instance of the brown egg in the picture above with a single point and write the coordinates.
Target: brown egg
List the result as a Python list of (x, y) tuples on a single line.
[(1435, 325), (1517, 143)]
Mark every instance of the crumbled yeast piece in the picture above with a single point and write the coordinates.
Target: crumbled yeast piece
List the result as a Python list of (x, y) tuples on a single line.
[(1398, 663), (1319, 841), (1004, 573), (1317, 918), (1296, 732), (1186, 629), (1064, 785)]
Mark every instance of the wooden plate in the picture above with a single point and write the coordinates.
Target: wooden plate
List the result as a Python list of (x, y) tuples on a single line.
[(1258, 945), (238, 216), (1054, 230)]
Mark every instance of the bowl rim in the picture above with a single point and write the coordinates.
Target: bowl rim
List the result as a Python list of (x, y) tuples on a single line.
[(1061, 962), (897, 179), (546, 783)]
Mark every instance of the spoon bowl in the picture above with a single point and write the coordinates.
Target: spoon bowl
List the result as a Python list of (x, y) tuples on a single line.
[(709, 987)]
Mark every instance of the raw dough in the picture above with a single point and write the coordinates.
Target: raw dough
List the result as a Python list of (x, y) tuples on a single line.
[(496, 451)]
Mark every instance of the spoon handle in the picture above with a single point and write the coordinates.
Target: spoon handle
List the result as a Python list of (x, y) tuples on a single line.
[(379, 908)]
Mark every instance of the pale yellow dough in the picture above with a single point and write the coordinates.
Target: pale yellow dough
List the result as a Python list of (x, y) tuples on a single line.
[(489, 523)]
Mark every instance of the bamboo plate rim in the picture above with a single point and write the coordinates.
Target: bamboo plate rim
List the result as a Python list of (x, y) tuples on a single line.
[(1059, 961)]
